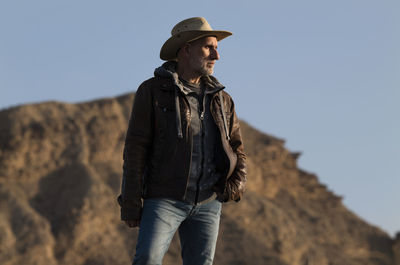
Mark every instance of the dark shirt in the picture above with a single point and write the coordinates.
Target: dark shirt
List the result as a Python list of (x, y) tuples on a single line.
[(202, 176)]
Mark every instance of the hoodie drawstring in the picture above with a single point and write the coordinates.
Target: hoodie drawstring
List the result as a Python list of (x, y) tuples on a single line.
[(221, 100), (168, 70), (178, 115)]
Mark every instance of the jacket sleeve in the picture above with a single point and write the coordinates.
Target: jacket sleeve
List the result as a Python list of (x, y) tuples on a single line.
[(236, 183), (137, 145)]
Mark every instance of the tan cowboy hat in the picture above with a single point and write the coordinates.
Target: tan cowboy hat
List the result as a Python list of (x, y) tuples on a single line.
[(186, 31)]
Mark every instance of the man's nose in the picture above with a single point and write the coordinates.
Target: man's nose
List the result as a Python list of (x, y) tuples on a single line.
[(214, 55)]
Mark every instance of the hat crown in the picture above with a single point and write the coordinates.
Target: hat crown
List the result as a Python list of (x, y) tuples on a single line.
[(191, 24)]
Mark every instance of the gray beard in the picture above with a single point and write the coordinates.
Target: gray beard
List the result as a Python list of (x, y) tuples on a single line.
[(207, 71), (202, 70)]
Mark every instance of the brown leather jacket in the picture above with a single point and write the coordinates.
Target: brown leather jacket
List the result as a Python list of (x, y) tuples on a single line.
[(157, 153)]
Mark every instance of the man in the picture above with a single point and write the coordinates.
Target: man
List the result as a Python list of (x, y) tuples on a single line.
[(183, 152)]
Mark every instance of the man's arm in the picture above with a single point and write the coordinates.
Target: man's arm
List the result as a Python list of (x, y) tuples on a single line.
[(137, 145), (236, 183)]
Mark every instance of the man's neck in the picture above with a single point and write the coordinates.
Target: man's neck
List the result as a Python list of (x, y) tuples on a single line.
[(188, 76)]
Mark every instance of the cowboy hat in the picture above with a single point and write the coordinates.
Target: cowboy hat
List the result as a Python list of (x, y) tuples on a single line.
[(186, 31)]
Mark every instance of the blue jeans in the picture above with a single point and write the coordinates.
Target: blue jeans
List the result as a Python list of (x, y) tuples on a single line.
[(198, 231)]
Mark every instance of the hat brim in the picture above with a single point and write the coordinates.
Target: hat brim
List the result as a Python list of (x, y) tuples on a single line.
[(173, 44)]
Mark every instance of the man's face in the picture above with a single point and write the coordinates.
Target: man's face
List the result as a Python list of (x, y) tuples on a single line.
[(203, 54)]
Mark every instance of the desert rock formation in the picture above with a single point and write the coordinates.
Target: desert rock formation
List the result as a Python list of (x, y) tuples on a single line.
[(60, 173)]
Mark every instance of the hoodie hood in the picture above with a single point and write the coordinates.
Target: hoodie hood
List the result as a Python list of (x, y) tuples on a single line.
[(168, 70)]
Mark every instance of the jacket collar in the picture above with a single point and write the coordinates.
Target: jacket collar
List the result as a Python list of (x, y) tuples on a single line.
[(168, 71)]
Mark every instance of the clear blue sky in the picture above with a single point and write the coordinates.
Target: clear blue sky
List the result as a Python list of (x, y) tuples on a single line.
[(324, 75)]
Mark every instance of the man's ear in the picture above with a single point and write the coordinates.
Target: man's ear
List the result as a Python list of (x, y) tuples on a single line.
[(186, 48), (184, 51)]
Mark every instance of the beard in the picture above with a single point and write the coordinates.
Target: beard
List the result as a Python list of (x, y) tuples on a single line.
[(202, 66)]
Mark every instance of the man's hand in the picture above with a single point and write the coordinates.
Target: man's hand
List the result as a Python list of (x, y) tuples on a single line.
[(132, 223)]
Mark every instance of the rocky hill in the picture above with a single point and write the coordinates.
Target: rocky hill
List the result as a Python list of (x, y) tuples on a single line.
[(60, 173)]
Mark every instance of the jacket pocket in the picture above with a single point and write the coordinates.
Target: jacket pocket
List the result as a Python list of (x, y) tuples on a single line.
[(164, 145), (165, 116)]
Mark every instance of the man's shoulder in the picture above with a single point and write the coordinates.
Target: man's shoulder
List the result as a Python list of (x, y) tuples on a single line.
[(227, 97), (210, 79), (155, 82), (226, 94)]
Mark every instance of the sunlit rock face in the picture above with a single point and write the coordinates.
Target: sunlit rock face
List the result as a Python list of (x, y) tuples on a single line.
[(60, 173)]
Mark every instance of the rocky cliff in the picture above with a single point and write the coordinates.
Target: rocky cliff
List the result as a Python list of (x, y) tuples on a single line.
[(60, 173)]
